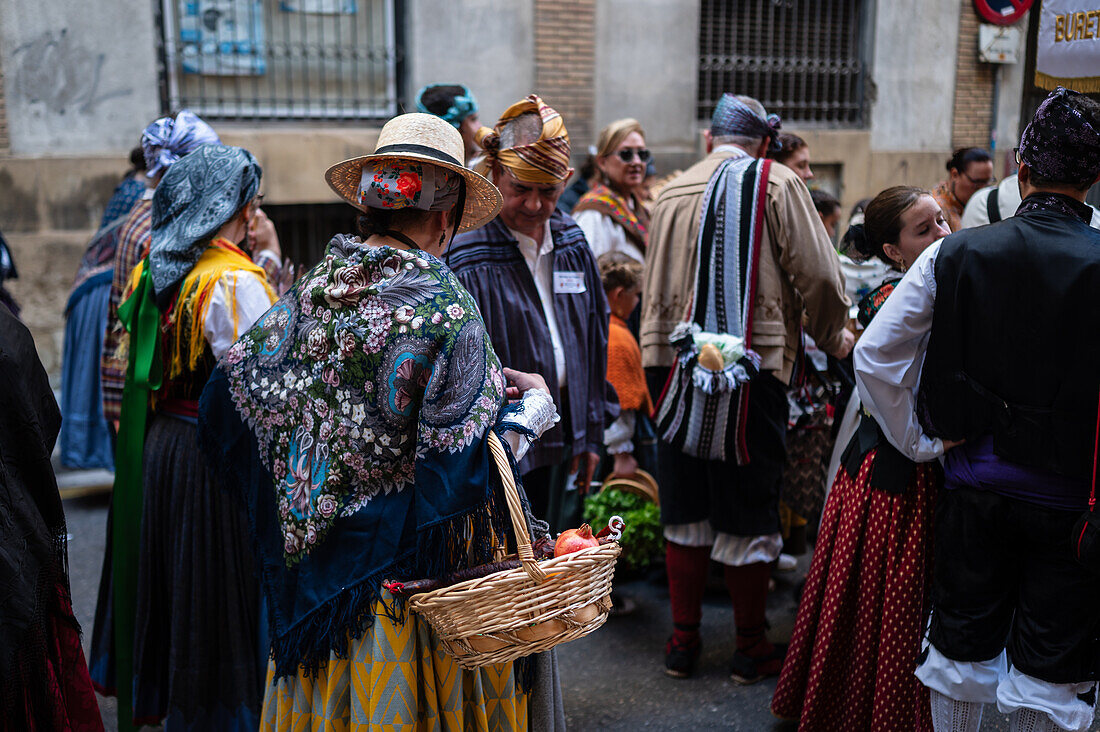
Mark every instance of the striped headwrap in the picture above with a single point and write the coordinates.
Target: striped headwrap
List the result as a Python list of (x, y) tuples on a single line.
[(533, 157), (734, 117)]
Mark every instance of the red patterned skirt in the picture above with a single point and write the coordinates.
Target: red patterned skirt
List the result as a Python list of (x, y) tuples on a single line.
[(854, 650)]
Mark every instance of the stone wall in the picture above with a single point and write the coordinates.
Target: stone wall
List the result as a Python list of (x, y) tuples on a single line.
[(658, 90), (79, 77), (485, 44), (913, 74)]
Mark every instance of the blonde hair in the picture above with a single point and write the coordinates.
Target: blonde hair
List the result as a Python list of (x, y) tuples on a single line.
[(613, 135)]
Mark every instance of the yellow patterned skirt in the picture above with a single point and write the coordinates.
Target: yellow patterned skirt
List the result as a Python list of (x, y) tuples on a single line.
[(396, 677)]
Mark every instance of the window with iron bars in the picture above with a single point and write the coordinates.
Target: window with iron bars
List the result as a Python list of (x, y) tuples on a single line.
[(281, 59), (803, 59)]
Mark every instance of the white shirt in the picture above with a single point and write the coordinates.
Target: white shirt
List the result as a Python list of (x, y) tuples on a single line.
[(890, 355), (604, 235), (536, 413), (860, 278), (252, 302), (540, 260), (976, 212)]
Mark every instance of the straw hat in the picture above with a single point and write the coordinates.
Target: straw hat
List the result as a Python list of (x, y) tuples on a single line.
[(428, 139)]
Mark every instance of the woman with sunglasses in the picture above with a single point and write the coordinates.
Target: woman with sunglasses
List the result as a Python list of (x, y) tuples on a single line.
[(968, 170), (611, 214)]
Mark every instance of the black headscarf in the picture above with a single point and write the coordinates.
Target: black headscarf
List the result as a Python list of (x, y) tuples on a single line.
[(1061, 143)]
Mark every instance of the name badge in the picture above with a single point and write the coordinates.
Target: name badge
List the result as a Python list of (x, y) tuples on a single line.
[(569, 283)]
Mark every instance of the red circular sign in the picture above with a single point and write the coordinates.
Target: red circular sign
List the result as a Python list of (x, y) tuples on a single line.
[(1002, 12)]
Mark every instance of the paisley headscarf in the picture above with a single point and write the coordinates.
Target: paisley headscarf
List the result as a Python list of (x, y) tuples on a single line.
[(168, 139), (194, 199), (541, 158), (1061, 143)]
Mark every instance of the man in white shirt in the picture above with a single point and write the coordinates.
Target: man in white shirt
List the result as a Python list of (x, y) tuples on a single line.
[(537, 285)]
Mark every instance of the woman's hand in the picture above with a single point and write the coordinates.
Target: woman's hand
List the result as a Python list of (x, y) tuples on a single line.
[(584, 465), (948, 444), (626, 466), (520, 382), (262, 236)]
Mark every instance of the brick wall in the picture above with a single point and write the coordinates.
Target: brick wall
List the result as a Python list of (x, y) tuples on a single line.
[(973, 86), (565, 60)]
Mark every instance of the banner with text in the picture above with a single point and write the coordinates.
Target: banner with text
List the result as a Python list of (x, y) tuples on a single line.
[(1068, 48)]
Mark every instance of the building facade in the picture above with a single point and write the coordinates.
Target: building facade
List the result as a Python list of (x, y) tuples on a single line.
[(883, 92)]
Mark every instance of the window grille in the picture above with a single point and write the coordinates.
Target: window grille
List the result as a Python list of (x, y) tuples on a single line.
[(305, 229), (803, 59), (288, 59)]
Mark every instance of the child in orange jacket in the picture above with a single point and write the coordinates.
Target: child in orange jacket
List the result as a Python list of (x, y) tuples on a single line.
[(622, 277)]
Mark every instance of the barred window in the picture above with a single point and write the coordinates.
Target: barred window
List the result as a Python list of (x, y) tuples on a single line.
[(803, 59), (290, 59)]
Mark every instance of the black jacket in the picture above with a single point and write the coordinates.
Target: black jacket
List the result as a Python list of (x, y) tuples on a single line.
[(1015, 343)]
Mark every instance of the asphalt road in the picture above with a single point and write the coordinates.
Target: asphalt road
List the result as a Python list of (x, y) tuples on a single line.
[(613, 679)]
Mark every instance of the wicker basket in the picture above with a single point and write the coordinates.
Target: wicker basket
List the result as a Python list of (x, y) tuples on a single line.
[(530, 609), (641, 484)]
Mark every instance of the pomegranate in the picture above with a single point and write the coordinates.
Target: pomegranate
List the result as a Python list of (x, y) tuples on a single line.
[(573, 540)]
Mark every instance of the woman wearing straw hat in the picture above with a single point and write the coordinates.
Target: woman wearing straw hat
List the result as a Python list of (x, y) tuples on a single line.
[(354, 420)]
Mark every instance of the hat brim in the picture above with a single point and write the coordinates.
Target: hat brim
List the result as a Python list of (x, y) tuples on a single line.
[(483, 200)]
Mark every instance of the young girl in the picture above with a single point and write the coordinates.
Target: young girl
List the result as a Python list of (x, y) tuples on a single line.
[(852, 657), (629, 441)]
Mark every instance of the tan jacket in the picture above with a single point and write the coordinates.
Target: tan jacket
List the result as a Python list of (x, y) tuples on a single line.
[(799, 271)]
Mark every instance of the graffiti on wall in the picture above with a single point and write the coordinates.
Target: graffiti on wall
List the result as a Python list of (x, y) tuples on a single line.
[(65, 76)]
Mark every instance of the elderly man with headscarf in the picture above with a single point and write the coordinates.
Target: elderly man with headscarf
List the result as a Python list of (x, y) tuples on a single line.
[(1000, 316), (760, 262), (537, 285)]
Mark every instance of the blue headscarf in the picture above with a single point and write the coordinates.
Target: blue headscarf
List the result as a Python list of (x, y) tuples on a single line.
[(196, 197), (734, 117), (170, 138), (462, 106)]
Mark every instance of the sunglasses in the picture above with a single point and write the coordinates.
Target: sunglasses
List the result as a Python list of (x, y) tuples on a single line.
[(1016, 154), (981, 183), (627, 154)]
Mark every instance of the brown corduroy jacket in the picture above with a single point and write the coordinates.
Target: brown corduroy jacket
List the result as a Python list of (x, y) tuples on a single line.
[(799, 271)]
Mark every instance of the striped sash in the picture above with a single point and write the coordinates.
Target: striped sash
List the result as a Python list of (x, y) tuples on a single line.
[(703, 412)]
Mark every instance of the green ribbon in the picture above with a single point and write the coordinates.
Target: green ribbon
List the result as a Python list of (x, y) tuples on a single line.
[(140, 317)]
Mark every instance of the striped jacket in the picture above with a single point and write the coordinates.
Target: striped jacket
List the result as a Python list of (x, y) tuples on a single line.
[(488, 262)]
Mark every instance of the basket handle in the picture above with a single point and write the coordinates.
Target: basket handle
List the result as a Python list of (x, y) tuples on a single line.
[(515, 510)]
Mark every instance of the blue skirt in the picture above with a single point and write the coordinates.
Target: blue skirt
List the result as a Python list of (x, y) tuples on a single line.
[(85, 439)]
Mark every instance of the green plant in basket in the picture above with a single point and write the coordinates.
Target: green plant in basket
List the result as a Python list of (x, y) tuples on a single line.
[(642, 538)]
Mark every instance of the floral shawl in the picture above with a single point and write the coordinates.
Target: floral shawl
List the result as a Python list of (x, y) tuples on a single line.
[(353, 417), (635, 221)]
